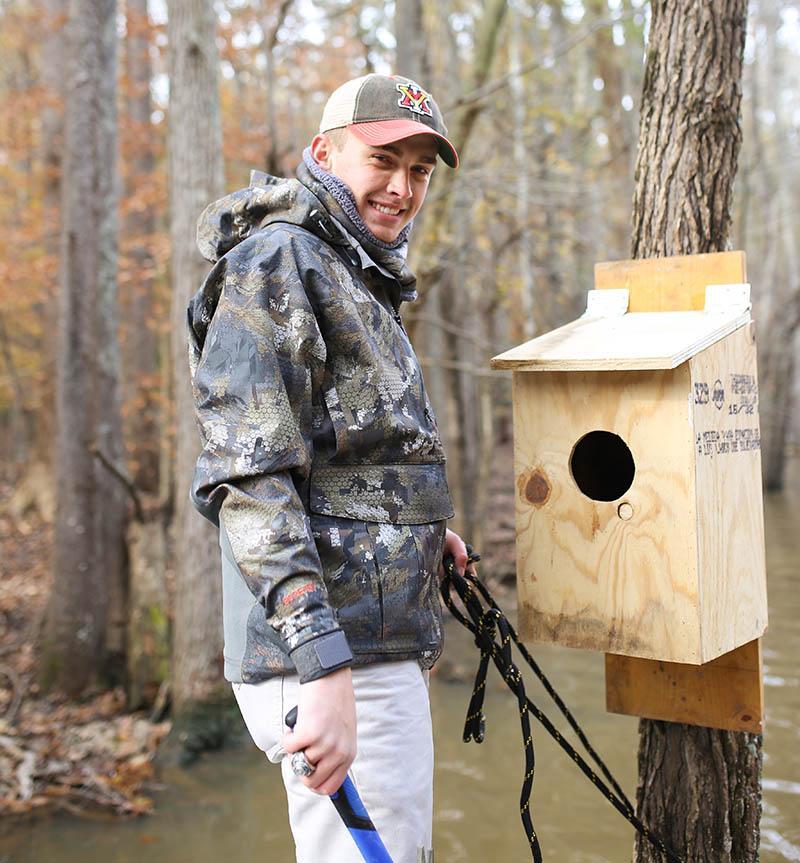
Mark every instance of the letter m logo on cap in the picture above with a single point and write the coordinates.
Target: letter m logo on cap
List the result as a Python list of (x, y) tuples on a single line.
[(414, 98)]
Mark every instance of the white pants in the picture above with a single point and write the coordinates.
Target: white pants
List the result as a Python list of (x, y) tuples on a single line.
[(393, 770)]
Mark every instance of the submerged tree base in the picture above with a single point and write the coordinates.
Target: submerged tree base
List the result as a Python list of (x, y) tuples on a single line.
[(203, 727)]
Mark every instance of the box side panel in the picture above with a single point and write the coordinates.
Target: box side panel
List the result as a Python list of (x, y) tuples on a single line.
[(730, 515), (619, 575)]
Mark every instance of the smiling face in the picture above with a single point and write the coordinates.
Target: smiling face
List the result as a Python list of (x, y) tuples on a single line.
[(389, 182)]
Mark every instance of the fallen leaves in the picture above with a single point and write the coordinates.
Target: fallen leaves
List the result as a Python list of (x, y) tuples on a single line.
[(86, 757)]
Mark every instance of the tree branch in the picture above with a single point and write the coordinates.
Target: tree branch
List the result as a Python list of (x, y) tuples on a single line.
[(126, 481), (481, 93)]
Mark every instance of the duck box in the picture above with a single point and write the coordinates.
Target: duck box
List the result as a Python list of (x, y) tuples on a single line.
[(639, 514)]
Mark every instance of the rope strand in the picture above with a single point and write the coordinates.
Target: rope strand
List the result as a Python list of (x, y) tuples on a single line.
[(487, 624)]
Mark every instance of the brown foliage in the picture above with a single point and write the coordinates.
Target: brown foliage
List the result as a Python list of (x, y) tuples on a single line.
[(55, 754)]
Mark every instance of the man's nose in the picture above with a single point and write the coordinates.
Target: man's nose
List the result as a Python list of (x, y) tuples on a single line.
[(400, 183)]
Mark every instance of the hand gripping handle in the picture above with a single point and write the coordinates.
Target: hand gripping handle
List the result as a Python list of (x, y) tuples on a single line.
[(354, 814)]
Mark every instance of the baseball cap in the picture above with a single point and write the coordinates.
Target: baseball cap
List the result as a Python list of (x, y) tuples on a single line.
[(380, 109)]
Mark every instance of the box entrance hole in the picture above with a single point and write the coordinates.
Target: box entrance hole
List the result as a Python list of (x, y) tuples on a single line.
[(602, 465)]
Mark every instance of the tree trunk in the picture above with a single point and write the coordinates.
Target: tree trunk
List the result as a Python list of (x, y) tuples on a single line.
[(147, 629), (607, 61), (412, 59), (90, 516), (52, 120), (140, 337), (779, 310), (430, 250), (148, 621), (272, 161), (196, 178), (527, 289), (433, 253), (699, 788)]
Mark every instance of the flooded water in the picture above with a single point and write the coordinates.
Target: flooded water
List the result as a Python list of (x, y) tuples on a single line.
[(231, 805)]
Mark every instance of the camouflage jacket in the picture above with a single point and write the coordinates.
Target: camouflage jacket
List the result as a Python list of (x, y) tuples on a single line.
[(322, 462)]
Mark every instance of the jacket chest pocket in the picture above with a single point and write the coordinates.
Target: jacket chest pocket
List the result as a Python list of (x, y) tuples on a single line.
[(407, 558)]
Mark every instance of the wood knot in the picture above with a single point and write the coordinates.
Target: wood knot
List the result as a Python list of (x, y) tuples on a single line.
[(535, 487)]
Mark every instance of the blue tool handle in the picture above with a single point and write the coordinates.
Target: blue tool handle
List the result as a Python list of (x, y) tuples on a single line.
[(354, 815)]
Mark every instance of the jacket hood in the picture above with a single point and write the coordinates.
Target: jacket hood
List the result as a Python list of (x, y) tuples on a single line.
[(301, 201)]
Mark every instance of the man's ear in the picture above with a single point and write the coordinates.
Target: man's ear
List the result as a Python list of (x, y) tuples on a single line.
[(322, 151)]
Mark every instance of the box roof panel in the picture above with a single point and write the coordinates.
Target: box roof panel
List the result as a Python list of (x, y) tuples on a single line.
[(636, 340)]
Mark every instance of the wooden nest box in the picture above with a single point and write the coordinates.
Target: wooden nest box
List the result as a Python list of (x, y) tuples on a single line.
[(639, 510)]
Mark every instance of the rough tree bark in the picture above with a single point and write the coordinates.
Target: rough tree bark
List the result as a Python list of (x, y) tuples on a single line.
[(91, 504), (200, 695), (699, 788)]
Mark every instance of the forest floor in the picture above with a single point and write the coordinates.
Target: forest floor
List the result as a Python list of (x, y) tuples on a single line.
[(57, 753), (93, 754)]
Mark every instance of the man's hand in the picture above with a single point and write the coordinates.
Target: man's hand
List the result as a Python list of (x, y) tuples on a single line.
[(326, 730), (453, 544)]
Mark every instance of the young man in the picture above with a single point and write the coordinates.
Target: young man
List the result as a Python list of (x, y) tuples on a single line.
[(323, 466)]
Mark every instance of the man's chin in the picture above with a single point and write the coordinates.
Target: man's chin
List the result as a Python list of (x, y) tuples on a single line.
[(384, 234)]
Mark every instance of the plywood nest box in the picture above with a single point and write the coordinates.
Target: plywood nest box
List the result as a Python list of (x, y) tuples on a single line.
[(639, 509)]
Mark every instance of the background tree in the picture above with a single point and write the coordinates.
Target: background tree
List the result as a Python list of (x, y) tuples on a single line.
[(440, 255), (699, 788), (52, 120), (412, 40), (770, 229), (195, 179), (138, 299), (90, 516)]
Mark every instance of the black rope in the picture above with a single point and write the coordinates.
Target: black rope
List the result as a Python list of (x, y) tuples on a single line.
[(486, 623)]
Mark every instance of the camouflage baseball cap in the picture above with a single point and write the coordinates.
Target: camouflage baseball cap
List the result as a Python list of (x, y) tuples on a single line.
[(379, 109)]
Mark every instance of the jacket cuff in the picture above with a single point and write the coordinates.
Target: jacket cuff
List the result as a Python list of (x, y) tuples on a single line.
[(321, 656)]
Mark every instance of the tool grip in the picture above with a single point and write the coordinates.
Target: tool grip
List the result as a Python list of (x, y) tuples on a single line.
[(353, 814)]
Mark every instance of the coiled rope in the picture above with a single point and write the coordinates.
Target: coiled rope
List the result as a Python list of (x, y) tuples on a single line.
[(487, 623)]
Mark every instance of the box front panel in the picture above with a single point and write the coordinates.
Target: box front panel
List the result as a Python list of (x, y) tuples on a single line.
[(605, 512)]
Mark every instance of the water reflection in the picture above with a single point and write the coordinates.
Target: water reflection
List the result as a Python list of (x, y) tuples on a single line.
[(232, 804)]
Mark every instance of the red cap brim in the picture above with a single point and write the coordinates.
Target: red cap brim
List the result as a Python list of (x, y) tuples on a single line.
[(379, 132)]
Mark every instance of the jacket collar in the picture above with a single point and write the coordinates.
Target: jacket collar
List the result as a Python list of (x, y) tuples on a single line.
[(390, 262)]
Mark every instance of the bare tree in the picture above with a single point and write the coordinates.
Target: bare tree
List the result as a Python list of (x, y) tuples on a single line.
[(779, 305), (52, 119), (271, 29), (412, 42), (196, 177), (88, 556), (439, 255), (699, 788), (141, 343), (519, 103)]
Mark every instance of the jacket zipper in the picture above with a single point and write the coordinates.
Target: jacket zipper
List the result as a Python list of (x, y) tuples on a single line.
[(426, 412)]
